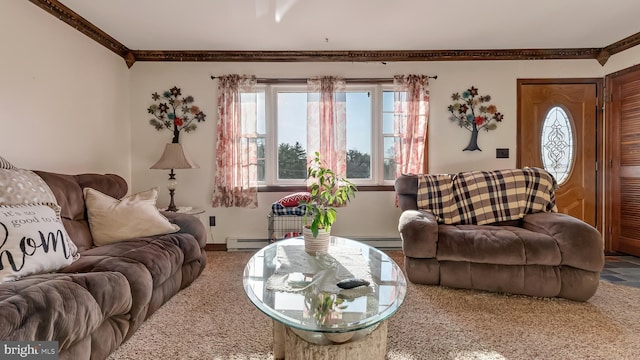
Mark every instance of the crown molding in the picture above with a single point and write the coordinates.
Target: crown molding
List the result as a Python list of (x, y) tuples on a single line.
[(618, 46), (79, 23), (364, 56)]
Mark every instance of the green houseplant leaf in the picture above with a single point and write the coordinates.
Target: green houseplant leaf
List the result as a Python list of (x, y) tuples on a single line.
[(327, 192)]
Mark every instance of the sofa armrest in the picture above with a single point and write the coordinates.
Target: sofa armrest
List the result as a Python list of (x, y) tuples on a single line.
[(419, 232), (580, 244), (188, 224), (406, 187)]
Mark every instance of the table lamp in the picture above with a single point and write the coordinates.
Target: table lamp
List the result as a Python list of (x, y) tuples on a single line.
[(173, 157)]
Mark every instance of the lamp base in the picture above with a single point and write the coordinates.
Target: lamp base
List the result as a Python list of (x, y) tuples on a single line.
[(172, 205)]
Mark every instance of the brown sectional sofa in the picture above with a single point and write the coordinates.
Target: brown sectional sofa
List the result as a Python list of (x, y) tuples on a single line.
[(99, 301), (545, 254)]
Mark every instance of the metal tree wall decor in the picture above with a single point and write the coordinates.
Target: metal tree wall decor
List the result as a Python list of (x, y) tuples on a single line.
[(472, 112), (174, 112)]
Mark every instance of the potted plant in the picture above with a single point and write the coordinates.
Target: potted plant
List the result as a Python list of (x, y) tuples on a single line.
[(328, 191)]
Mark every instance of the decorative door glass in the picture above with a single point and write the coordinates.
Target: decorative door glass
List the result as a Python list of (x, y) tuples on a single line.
[(557, 144)]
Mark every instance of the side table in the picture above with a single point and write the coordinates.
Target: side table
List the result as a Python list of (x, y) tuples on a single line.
[(187, 210), (195, 212)]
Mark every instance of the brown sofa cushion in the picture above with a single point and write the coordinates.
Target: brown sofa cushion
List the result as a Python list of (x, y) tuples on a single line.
[(581, 245), (61, 307), (146, 262), (139, 281), (535, 280), (505, 245), (160, 257), (68, 192)]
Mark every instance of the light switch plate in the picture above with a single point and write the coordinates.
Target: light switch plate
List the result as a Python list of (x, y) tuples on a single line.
[(502, 153)]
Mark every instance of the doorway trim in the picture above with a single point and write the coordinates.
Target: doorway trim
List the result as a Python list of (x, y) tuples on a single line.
[(599, 82)]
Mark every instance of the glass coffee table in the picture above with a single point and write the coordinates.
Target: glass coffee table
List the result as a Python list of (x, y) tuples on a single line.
[(312, 316)]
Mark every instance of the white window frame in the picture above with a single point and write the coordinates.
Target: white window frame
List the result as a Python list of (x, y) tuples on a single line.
[(258, 89), (272, 120), (271, 136), (381, 135), (375, 103)]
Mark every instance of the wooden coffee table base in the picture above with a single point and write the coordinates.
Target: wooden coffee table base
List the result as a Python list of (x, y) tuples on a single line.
[(289, 345)]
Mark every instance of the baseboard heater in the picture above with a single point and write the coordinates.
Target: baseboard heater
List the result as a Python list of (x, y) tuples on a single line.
[(235, 244)]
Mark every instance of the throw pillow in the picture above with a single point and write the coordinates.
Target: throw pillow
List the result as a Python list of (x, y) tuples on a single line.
[(112, 220), (32, 241), (20, 186), (295, 199), (4, 164)]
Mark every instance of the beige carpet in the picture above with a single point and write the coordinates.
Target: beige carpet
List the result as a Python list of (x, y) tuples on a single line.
[(213, 319)]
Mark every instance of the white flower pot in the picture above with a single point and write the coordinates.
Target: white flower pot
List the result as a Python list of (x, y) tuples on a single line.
[(318, 244)]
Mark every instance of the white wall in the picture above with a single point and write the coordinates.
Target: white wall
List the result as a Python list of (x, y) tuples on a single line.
[(70, 105), (622, 60), (64, 98), (370, 214)]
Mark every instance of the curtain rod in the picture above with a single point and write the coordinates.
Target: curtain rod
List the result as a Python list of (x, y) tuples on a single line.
[(304, 80)]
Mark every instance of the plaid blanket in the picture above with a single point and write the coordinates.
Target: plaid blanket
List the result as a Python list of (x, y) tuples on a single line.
[(485, 197)]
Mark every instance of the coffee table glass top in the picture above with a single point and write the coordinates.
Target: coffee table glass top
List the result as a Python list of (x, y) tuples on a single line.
[(300, 291)]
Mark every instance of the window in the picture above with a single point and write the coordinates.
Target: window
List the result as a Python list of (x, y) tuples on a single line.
[(260, 135), (557, 144), (291, 138), (389, 137), (282, 134)]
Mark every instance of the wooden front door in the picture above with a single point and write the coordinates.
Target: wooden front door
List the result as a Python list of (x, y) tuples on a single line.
[(557, 131), (623, 160)]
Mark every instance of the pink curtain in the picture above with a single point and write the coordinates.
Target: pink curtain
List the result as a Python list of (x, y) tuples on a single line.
[(411, 116), (327, 122), (236, 179)]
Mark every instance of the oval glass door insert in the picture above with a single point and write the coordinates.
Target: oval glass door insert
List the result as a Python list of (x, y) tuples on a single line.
[(557, 144)]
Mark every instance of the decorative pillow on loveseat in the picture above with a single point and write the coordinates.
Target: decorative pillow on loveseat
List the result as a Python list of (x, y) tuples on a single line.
[(112, 220), (32, 241)]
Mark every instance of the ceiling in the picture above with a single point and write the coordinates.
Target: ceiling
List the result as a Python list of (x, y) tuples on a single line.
[(353, 30), (361, 24)]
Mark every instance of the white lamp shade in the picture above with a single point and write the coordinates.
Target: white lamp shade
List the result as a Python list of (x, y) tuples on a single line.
[(174, 157)]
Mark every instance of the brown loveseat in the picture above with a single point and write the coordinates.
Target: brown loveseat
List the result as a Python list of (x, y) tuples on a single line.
[(537, 252), (100, 300)]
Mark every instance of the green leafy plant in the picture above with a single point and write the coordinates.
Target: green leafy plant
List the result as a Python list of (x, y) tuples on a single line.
[(321, 305), (328, 191)]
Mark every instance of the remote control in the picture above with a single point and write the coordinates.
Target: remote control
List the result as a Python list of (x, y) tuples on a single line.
[(352, 283)]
